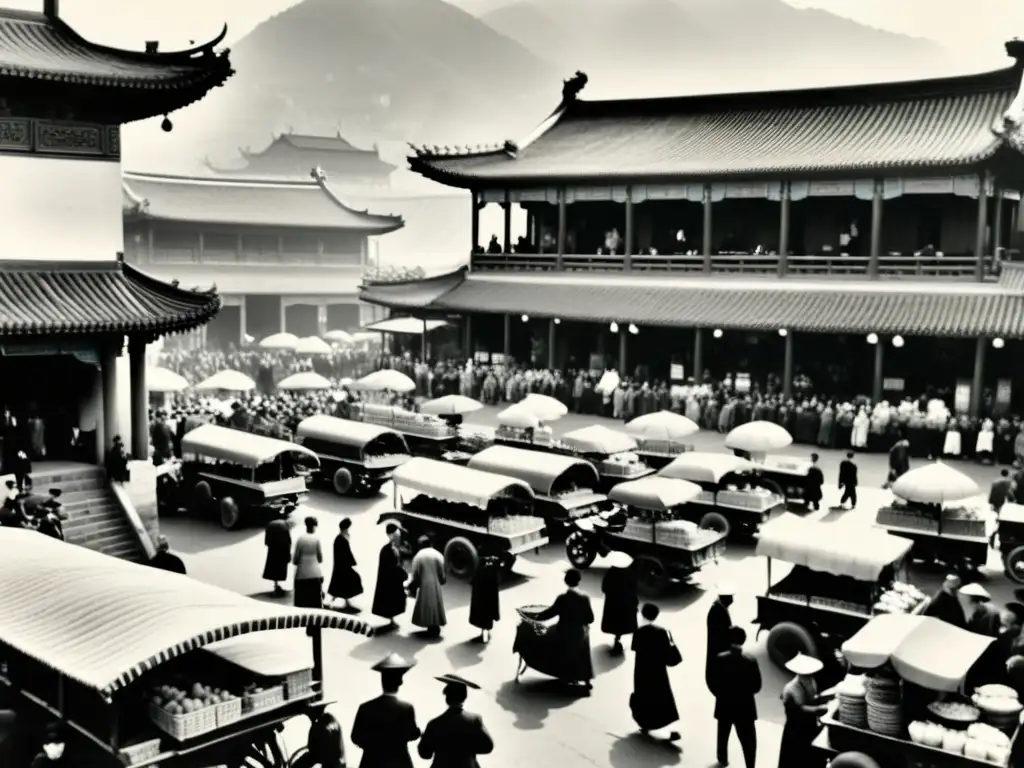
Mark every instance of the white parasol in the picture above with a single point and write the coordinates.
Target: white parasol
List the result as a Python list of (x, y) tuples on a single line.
[(664, 425), (935, 484), (338, 337), (305, 381), (229, 381), (518, 417), (543, 407), (758, 437), (609, 382), (280, 341), (386, 380), (164, 380), (655, 493), (451, 405), (311, 345), (599, 439)]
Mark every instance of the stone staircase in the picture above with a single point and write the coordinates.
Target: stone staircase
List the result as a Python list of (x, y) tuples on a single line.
[(95, 518)]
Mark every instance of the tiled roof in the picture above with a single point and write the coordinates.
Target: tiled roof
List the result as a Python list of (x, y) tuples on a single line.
[(949, 309), (38, 48), (416, 294), (947, 122), (39, 298), (253, 202)]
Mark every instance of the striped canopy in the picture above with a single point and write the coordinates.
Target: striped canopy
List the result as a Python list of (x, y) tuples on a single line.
[(105, 622)]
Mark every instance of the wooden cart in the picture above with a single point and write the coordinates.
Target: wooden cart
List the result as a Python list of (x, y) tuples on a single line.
[(938, 534), (426, 435), (563, 486), (466, 513), (356, 458), (85, 638)]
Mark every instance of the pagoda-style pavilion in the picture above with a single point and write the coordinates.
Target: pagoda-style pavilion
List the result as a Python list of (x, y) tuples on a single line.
[(283, 255), (69, 306), (862, 228), (291, 155)]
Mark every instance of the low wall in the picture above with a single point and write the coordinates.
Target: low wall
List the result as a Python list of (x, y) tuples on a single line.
[(141, 491)]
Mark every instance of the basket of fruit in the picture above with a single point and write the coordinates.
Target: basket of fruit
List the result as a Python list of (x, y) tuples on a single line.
[(183, 714), (298, 684), (257, 698)]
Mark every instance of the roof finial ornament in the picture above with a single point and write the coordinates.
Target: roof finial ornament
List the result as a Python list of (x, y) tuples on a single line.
[(318, 175), (1014, 114), (571, 88), (510, 148)]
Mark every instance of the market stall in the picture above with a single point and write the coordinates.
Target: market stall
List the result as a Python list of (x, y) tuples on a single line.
[(662, 436), (904, 705), (932, 508), (140, 664), (840, 577), (426, 434), (759, 441), (355, 458)]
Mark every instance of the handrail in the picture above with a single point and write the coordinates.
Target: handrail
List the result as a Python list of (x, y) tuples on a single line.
[(128, 508)]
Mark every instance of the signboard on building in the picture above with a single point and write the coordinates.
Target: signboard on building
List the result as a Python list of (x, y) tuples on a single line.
[(742, 384), (893, 385), (676, 372), (962, 396), (1004, 396)]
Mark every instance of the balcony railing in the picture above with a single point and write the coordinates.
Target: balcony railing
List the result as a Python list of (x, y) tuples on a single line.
[(889, 267)]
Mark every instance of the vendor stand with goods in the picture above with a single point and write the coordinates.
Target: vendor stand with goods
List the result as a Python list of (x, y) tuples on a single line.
[(757, 441), (357, 459), (734, 497), (237, 475), (466, 513), (563, 486), (648, 524), (144, 667), (1011, 540), (661, 437), (903, 705), (453, 409), (840, 577), (929, 510)]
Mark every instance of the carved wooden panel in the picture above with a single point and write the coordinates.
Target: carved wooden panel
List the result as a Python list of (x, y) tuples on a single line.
[(15, 134), (68, 138)]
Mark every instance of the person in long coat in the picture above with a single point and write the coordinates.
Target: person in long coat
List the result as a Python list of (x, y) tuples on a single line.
[(803, 707), (815, 481), (945, 604), (309, 576), (736, 681), (345, 581), (428, 578), (621, 604), (484, 602), (277, 538), (718, 624), (454, 738), (571, 635), (385, 726), (652, 703), (389, 593)]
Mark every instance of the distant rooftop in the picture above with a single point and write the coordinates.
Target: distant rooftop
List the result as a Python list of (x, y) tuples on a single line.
[(291, 155)]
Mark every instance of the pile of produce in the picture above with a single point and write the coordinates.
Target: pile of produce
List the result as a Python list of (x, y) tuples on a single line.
[(910, 518), (963, 521), (178, 701), (899, 598), (978, 742), (999, 705), (512, 525), (405, 421), (664, 447), (626, 464), (757, 499)]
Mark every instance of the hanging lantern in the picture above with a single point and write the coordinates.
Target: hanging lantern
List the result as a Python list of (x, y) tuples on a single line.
[(717, 333), (872, 338), (526, 318), (613, 327), (783, 332), (897, 341), (998, 343)]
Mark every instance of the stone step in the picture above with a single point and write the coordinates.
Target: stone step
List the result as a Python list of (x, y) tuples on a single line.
[(69, 488), (85, 506), (87, 530), (69, 475), (105, 541)]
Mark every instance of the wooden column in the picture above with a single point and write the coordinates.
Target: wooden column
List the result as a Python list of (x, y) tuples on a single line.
[(507, 341), (538, 229), (242, 321), (876, 228), (984, 180), (476, 223), (787, 367), (507, 225), (108, 371), (978, 382), (284, 316), (879, 373), (708, 218), (563, 227), (552, 341), (784, 226), (139, 400), (630, 232), (698, 355), (467, 337), (623, 344), (424, 349), (997, 223)]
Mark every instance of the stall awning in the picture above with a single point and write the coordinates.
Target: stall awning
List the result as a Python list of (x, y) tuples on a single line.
[(331, 429), (235, 445), (105, 622), (860, 553), (538, 469), (406, 325), (441, 480), (924, 651)]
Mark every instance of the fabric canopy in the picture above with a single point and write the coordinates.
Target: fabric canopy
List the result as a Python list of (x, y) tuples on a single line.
[(406, 325), (935, 484), (538, 469), (704, 467), (163, 380), (860, 553), (441, 480), (599, 439), (659, 493), (924, 651), (241, 447)]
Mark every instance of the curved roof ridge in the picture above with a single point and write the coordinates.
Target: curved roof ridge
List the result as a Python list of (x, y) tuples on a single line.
[(187, 55), (241, 181), (395, 221)]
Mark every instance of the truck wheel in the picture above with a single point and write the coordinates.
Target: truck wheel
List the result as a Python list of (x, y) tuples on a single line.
[(202, 496), (461, 557), (650, 574), (342, 481), (716, 521), (853, 760), (1014, 564), (579, 551), (786, 640), (230, 516)]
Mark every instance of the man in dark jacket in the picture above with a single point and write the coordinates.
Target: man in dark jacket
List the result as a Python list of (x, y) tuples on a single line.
[(848, 481), (815, 482), (719, 622), (164, 559), (384, 726), (278, 540), (899, 460), (162, 437), (454, 738), (736, 680), (945, 604), (1001, 491)]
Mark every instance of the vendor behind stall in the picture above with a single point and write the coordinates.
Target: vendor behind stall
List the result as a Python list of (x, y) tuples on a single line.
[(803, 705), (53, 753)]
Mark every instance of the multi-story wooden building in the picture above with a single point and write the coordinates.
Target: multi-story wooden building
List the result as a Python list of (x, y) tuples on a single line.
[(283, 255), (291, 155), (860, 229)]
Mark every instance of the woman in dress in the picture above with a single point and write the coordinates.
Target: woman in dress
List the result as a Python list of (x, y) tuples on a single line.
[(309, 578), (652, 703), (389, 593), (570, 639), (618, 617), (428, 578), (484, 602), (345, 581), (803, 707)]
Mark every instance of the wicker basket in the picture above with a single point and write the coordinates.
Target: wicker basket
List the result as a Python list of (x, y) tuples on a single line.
[(265, 699), (228, 712), (138, 753), (528, 614), (298, 684), (186, 726)]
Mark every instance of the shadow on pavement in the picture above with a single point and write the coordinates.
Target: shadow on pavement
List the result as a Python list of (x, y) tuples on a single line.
[(465, 654), (407, 645), (533, 699), (604, 660), (193, 535), (638, 750)]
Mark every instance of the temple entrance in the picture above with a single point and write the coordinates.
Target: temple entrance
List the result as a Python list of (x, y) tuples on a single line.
[(49, 397)]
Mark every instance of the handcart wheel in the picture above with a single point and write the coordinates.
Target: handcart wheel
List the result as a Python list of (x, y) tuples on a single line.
[(579, 551), (853, 760), (1014, 564), (715, 521)]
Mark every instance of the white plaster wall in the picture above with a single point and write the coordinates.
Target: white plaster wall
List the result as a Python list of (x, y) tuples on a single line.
[(60, 209), (124, 401)]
